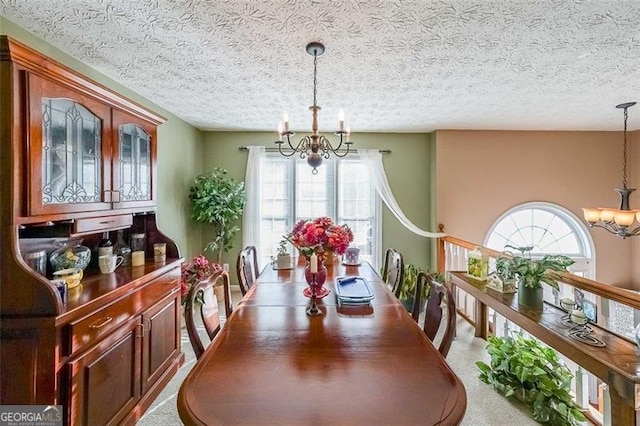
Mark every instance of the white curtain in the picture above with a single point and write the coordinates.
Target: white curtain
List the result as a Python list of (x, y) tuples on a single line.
[(373, 159), (251, 215)]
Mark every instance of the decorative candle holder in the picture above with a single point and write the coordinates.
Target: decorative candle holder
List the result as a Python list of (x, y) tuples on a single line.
[(313, 310)]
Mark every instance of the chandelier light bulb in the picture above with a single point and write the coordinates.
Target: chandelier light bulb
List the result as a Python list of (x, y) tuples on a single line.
[(341, 119), (591, 215), (348, 134), (607, 215), (280, 131), (285, 119), (624, 218)]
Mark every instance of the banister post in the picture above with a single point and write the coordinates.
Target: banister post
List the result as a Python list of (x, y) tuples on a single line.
[(442, 259)]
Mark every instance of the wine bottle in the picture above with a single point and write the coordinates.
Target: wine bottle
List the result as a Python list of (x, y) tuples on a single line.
[(122, 249), (105, 246)]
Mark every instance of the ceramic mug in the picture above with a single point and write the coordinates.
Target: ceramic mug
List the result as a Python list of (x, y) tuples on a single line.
[(108, 263), (351, 255), (72, 276)]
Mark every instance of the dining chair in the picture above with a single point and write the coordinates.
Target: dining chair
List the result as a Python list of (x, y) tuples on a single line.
[(433, 310), (202, 302), (247, 268), (393, 270)]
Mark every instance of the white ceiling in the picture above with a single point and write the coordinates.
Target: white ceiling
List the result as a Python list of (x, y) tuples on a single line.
[(392, 65)]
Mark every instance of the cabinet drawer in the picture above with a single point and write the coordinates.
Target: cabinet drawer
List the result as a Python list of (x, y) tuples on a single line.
[(94, 224), (99, 324), (90, 329)]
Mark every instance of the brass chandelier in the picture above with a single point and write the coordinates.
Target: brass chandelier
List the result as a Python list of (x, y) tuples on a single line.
[(314, 147), (618, 221)]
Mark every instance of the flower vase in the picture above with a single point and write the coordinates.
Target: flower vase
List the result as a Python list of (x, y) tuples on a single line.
[(320, 278), (530, 297), (329, 259)]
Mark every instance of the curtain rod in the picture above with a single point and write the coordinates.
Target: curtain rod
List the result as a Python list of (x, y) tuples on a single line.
[(244, 148)]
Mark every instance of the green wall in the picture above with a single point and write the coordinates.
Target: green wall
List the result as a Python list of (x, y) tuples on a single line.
[(179, 147), (409, 171)]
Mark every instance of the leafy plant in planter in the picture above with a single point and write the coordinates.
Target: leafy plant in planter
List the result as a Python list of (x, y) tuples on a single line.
[(533, 374), (532, 272), (219, 201), (283, 258), (408, 288)]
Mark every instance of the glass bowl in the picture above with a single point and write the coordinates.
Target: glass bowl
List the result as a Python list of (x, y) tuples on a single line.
[(70, 255)]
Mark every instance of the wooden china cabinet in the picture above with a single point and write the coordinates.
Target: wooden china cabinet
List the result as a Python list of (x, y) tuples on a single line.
[(77, 160)]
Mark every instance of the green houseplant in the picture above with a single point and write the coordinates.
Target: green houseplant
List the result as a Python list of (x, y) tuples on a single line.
[(408, 288), (217, 200), (534, 375), (531, 273), (283, 257)]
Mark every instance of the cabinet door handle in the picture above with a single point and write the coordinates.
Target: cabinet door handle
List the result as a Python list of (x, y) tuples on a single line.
[(140, 335), (172, 282), (117, 198), (101, 322), (107, 196)]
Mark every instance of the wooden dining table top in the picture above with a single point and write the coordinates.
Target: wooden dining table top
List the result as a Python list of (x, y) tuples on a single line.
[(353, 365)]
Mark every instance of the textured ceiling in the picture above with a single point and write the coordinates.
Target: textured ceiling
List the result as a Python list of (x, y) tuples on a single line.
[(392, 65)]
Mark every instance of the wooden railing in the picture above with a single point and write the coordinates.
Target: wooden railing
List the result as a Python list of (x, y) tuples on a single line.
[(619, 398), (611, 292)]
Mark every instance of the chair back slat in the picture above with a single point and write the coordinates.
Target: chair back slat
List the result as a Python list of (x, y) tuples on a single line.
[(393, 270), (433, 310), (247, 268), (208, 311)]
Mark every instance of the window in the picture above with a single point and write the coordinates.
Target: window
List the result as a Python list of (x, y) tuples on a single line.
[(550, 229), (341, 190)]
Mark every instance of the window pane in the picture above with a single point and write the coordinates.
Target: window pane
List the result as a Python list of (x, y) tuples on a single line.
[(275, 204), (357, 205), (341, 190), (314, 193)]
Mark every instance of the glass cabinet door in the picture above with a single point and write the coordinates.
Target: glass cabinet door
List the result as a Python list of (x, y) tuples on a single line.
[(71, 156), (67, 149), (133, 161)]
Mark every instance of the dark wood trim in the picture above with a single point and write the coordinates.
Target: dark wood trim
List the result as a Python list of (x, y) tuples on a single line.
[(19, 53)]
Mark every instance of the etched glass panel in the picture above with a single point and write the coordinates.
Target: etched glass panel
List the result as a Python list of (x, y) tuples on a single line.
[(135, 163), (71, 163)]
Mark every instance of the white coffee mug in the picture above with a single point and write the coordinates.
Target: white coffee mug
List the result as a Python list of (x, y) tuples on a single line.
[(108, 263), (351, 255)]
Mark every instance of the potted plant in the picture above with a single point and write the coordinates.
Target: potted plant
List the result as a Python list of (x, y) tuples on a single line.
[(533, 374), (217, 200), (283, 258), (408, 288), (531, 273)]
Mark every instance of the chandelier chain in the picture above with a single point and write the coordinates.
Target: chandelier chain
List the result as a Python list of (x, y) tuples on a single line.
[(315, 78), (624, 151)]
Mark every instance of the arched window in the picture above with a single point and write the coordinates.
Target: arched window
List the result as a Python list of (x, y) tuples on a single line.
[(550, 229)]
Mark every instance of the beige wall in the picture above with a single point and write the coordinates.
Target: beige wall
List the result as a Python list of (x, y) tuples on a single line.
[(633, 166), (408, 169), (179, 147), (481, 174)]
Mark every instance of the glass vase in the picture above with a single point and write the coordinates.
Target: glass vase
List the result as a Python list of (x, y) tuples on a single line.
[(316, 286)]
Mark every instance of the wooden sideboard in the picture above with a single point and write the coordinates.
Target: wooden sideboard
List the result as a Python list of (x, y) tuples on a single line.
[(79, 160)]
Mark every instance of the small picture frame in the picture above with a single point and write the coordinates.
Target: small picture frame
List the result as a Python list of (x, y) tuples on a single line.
[(578, 297), (590, 310)]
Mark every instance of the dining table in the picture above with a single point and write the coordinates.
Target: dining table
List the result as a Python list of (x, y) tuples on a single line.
[(368, 364)]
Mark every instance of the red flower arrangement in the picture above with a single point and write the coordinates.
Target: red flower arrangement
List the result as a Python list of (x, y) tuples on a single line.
[(320, 236), (198, 269)]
